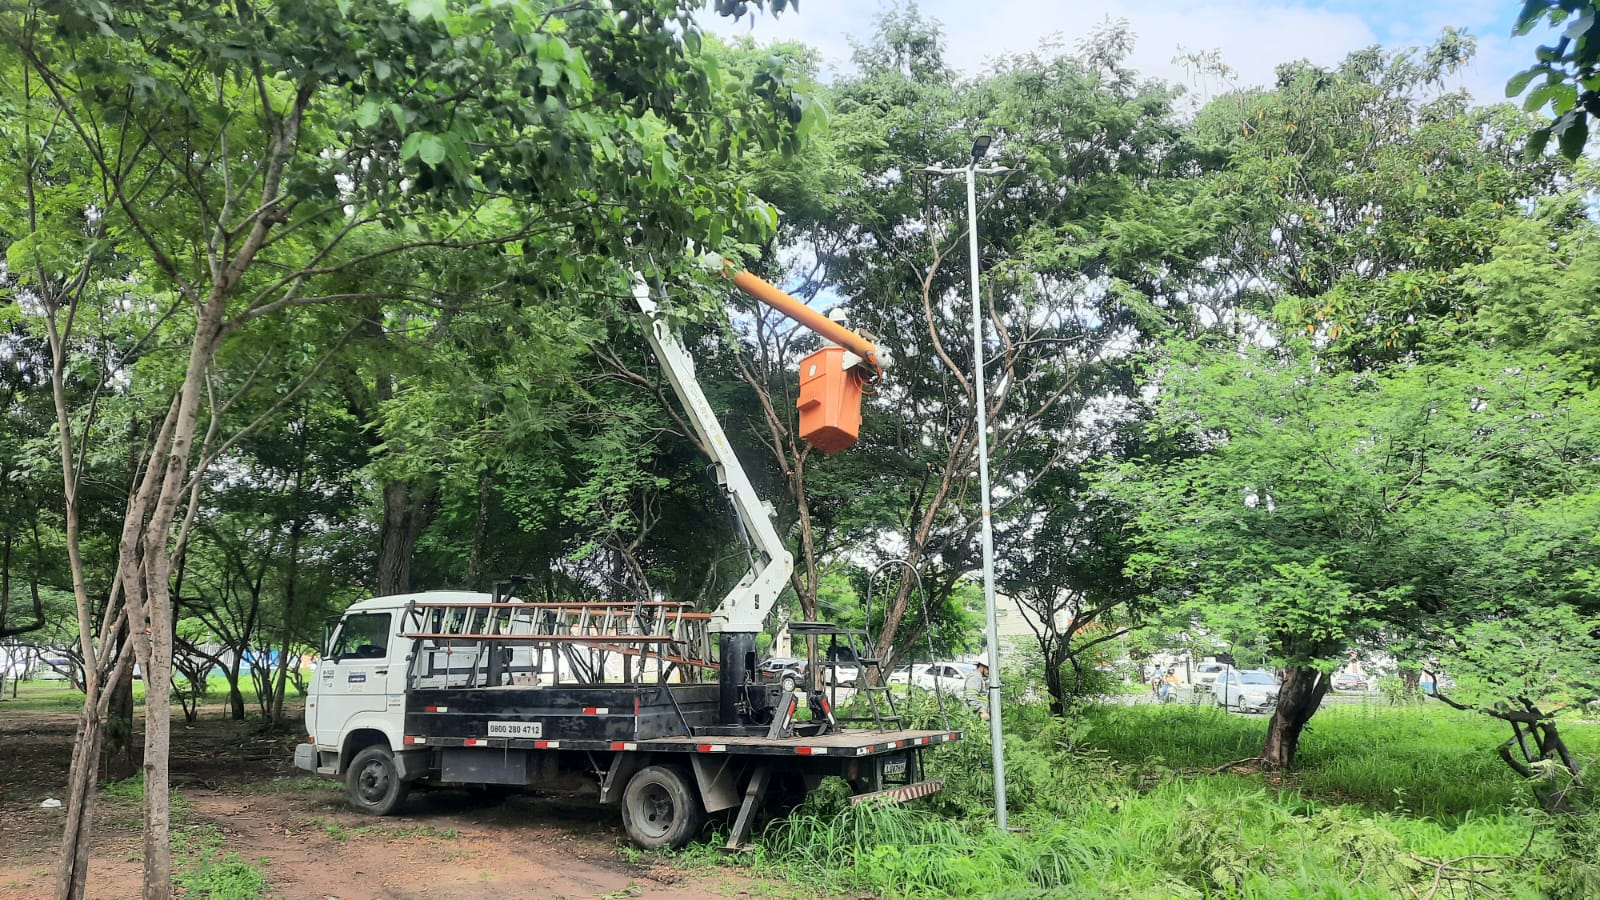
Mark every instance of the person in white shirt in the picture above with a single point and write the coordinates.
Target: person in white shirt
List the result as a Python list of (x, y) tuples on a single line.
[(976, 690)]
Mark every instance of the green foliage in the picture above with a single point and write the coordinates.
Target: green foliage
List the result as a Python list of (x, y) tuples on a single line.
[(222, 877), (1325, 509), (204, 870), (1342, 234), (126, 791), (1566, 71), (1577, 872)]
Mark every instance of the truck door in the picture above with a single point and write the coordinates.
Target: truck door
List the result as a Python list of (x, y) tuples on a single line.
[(355, 677)]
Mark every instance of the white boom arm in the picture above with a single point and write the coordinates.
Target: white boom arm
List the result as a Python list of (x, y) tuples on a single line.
[(747, 605)]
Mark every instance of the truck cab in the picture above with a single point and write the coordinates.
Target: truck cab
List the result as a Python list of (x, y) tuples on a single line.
[(357, 697)]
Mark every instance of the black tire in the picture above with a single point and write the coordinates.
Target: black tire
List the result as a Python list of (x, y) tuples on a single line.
[(373, 783), (661, 808), (788, 683)]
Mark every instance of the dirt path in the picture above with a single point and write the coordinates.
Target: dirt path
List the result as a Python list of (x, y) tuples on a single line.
[(445, 846), (240, 796)]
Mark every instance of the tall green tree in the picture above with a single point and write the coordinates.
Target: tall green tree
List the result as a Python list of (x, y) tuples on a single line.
[(1351, 217), (245, 157), (1078, 244)]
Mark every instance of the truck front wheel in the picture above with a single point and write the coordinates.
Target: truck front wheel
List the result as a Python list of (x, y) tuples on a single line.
[(373, 782), (661, 808)]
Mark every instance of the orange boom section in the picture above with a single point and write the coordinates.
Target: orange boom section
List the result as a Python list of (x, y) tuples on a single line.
[(830, 393)]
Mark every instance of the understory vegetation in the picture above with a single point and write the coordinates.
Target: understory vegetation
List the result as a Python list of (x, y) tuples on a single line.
[(204, 868), (1141, 801)]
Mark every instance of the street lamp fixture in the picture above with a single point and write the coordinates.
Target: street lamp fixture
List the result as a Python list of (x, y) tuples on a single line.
[(980, 147)]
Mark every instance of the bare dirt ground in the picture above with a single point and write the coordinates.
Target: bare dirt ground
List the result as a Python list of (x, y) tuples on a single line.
[(235, 782)]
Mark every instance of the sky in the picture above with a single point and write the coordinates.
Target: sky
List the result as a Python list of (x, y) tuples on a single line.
[(1251, 36)]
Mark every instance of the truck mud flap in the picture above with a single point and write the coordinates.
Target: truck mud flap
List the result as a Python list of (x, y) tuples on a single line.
[(900, 794), (468, 766), (412, 764)]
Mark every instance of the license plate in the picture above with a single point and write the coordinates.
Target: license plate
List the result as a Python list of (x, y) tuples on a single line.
[(894, 766), (516, 729)]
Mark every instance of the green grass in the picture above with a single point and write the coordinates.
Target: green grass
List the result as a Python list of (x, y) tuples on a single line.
[(1388, 803), (60, 696), (202, 866), (291, 784), (1419, 759), (205, 870), (41, 696), (340, 833)]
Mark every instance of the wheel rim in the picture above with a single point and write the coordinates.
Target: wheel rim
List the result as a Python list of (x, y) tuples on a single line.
[(654, 810), (373, 782)]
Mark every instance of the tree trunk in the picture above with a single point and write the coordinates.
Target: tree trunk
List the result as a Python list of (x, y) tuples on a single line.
[(73, 865), (1411, 682), (145, 568), (235, 696), (120, 757), (398, 538), (1053, 685), (157, 742), (1302, 692), (480, 521), (290, 597)]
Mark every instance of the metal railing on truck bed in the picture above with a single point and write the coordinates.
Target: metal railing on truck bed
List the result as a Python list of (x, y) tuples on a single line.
[(506, 643)]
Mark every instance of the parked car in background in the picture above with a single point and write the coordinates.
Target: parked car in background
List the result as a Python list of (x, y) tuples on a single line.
[(790, 673), (1345, 681), (1205, 676), (1251, 691), (837, 671), (947, 677), (786, 670)]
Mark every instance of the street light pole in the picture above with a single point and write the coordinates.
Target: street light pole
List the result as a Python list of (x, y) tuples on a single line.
[(979, 148)]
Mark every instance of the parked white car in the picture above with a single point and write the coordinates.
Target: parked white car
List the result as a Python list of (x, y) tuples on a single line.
[(1250, 691), (947, 677), (1205, 676)]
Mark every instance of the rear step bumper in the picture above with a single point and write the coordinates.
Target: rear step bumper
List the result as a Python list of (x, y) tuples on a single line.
[(902, 793)]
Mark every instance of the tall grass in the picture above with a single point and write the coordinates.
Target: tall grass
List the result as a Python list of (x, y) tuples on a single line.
[(1119, 804)]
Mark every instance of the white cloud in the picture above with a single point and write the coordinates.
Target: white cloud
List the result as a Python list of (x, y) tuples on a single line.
[(1252, 36)]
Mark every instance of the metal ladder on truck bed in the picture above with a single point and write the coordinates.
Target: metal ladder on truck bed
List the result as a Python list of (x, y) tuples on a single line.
[(571, 643), (870, 681)]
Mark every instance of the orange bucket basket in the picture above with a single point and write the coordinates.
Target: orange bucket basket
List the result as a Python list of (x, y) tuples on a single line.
[(830, 401)]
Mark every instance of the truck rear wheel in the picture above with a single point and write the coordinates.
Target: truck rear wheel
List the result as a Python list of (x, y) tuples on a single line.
[(373, 782), (661, 808)]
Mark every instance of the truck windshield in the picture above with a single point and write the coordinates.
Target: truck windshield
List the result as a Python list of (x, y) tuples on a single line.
[(363, 636)]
